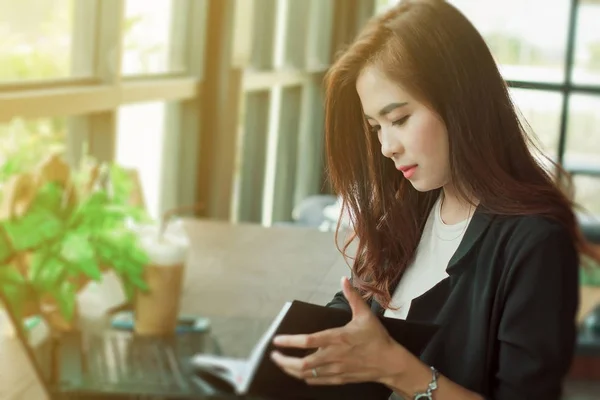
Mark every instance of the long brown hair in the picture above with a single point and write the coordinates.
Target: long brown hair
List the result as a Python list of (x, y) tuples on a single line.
[(435, 53)]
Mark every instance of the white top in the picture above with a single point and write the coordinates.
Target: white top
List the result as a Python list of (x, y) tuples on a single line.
[(437, 246)]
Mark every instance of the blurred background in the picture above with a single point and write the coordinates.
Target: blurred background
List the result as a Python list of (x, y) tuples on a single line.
[(221, 101)]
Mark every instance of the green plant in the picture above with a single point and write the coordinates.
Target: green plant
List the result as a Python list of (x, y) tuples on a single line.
[(23, 143), (67, 236)]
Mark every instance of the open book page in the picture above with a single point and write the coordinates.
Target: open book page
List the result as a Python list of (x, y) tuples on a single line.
[(239, 372), (262, 345), (231, 370)]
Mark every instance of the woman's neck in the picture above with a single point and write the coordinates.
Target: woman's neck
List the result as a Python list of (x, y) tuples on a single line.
[(454, 208)]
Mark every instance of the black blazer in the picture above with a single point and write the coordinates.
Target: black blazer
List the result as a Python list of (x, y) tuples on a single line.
[(507, 310)]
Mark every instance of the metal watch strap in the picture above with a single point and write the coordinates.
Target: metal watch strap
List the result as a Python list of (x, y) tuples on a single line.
[(428, 394)]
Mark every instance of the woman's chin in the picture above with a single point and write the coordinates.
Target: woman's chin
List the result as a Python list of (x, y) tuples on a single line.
[(422, 186)]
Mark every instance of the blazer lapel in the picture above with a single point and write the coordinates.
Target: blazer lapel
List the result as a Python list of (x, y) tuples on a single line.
[(477, 227)]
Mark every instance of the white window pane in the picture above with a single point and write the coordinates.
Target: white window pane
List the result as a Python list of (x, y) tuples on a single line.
[(35, 39), (383, 5), (147, 38), (583, 135), (587, 194), (587, 49), (541, 110), (524, 49), (140, 140)]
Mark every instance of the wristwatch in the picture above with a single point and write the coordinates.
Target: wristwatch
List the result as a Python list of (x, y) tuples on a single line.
[(428, 394)]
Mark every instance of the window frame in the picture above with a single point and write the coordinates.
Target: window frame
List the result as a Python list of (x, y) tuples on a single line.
[(567, 88), (91, 103)]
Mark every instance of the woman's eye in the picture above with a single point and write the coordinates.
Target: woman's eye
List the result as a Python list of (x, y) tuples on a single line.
[(398, 122), (374, 128), (401, 121)]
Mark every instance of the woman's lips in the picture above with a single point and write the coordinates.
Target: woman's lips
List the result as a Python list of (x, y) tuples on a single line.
[(408, 170)]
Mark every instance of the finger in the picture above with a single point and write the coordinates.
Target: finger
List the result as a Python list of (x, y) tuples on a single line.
[(357, 304), (318, 339), (324, 371), (323, 356), (316, 359), (292, 363), (331, 380)]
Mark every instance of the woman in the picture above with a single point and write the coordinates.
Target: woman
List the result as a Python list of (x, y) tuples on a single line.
[(457, 222)]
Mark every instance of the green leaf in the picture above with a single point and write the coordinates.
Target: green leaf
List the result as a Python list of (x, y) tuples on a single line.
[(12, 166), (119, 249), (50, 197), (65, 297), (14, 288), (76, 247), (138, 256), (78, 251), (37, 260), (91, 269), (137, 280), (128, 288), (121, 184), (15, 296), (37, 226), (47, 272), (97, 213), (10, 275)]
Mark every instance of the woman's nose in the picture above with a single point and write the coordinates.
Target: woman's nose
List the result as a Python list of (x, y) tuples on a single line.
[(390, 144)]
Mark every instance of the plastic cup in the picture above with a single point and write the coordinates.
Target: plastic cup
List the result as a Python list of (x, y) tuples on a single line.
[(157, 310)]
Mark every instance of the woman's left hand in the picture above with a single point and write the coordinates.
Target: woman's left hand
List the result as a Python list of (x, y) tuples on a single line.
[(360, 351)]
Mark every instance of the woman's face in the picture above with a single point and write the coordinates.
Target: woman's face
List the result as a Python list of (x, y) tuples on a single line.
[(411, 135)]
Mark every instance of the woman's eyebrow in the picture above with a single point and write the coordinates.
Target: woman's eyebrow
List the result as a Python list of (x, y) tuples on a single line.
[(388, 109)]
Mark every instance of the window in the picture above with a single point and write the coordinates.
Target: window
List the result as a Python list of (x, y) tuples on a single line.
[(66, 83), (149, 44), (278, 161), (558, 96), (541, 112), (35, 45), (587, 49), (524, 50), (587, 190), (583, 139), (140, 143)]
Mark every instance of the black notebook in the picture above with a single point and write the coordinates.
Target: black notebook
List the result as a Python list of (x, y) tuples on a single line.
[(259, 375)]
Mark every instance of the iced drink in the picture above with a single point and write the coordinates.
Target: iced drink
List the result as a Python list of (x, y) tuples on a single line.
[(157, 310)]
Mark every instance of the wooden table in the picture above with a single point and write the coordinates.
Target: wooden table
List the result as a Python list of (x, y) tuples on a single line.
[(239, 276)]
